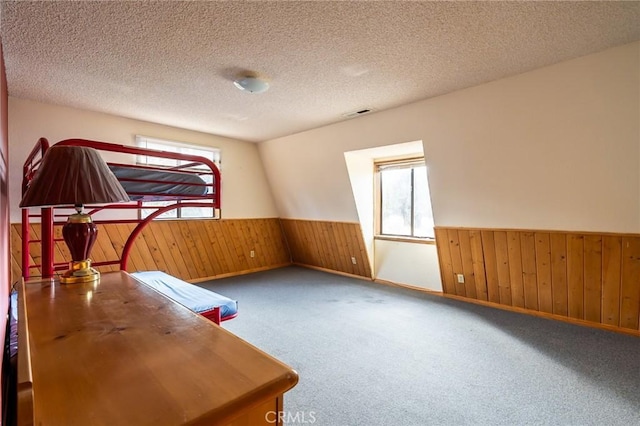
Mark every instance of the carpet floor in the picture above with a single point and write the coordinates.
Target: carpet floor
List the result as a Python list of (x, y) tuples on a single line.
[(369, 354)]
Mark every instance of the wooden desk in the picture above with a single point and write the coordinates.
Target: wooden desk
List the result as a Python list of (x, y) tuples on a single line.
[(119, 353)]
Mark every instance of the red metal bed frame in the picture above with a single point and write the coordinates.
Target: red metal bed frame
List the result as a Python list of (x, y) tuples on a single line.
[(48, 265)]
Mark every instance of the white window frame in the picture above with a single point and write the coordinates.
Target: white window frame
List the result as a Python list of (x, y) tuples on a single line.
[(397, 163), (211, 153)]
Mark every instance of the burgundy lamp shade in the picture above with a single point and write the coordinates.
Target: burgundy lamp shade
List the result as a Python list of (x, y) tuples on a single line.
[(75, 175)]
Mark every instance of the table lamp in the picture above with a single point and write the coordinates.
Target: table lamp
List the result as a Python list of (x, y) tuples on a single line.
[(75, 176)]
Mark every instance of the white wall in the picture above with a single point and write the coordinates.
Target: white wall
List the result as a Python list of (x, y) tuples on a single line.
[(408, 263), (554, 148), (245, 191)]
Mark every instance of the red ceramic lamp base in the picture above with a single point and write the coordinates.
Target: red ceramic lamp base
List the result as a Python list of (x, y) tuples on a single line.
[(80, 233)]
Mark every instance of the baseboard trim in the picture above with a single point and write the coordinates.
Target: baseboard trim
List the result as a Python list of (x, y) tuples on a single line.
[(545, 315), (236, 273), (408, 286), (333, 271)]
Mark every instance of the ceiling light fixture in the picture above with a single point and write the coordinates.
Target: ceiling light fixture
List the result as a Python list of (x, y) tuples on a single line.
[(250, 82)]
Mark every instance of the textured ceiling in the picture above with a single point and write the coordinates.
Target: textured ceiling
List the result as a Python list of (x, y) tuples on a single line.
[(174, 62)]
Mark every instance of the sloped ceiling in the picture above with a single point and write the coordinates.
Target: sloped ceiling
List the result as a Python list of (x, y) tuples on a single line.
[(174, 62)]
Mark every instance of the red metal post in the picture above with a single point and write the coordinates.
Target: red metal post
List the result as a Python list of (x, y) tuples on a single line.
[(25, 244), (47, 242)]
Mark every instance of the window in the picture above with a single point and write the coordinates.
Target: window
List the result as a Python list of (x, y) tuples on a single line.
[(212, 154), (404, 207)]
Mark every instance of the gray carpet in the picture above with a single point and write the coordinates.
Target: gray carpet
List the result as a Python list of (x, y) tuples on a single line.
[(370, 354)]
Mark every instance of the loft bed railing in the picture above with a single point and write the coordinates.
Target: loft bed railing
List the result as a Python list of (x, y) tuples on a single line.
[(183, 184)]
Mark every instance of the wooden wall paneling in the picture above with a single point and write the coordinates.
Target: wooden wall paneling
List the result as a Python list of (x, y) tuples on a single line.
[(188, 249), (258, 229), (329, 245), (347, 233), (148, 237), (477, 254), (201, 241), (355, 248), (143, 250), (236, 250), (543, 272), (515, 268), (279, 229), (196, 259), (220, 264), (292, 234), (339, 233), (226, 246), (170, 250), (592, 277), (241, 242), (266, 244), (16, 270), (246, 242), (456, 260), (342, 242), (272, 243), (277, 232), (367, 272), (529, 270), (444, 256), (15, 240), (225, 236), (254, 229), (98, 255), (310, 243), (490, 266), (467, 264), (290, 238), (630, 288), (108, 250), (558, 244), (502, 265), (575, 275), (611, 279), (329, 249), (296, 236), (16, 253), (136, 263), (183, 249), (324, 259), (115, 240)]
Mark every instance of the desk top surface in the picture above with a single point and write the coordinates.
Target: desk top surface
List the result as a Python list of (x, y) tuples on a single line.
[(118, 352)]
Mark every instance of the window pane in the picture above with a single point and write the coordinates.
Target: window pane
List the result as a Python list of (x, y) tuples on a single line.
[(423, 216), (171, 214), (196, 212), (396, 201)]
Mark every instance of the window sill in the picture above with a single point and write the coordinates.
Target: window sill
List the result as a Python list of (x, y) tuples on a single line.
[(402, 239)]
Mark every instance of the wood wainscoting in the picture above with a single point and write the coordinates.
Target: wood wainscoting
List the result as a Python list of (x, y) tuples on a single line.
[(327, 245), (192, 250), (583, 276)]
